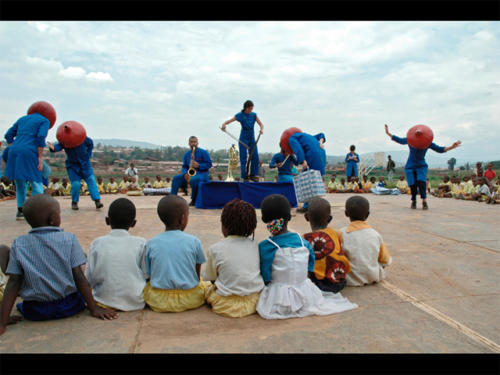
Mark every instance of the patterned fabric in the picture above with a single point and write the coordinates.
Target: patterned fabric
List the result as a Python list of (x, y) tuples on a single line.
[(45, 258), (275, 226), (308, 184), (159, 191)]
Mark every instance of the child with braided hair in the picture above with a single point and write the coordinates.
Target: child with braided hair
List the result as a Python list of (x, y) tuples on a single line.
[(233, 264)]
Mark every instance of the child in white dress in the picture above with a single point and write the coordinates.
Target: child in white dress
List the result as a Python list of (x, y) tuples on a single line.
[(286, 261)]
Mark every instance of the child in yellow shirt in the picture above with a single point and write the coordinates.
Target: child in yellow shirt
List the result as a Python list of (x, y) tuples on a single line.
[(112, 186), (402, 185), (65, 187), (100, 186), (124, 185), (333, 186), (158, 184)]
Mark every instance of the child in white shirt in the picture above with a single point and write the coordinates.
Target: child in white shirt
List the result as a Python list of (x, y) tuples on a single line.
[(234, 263), (115, 267), (363, 245)]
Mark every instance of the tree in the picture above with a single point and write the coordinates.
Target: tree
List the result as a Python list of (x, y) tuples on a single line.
[(451, 163)]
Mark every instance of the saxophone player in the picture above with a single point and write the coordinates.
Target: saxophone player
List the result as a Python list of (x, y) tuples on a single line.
[(195, 158)]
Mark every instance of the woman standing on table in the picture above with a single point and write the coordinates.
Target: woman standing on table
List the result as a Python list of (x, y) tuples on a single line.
[(247, 119), (26, 140)]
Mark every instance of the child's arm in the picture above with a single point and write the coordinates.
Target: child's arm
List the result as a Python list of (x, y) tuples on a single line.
[(9, 298), (210, 272), (198, 268), (83, 287)]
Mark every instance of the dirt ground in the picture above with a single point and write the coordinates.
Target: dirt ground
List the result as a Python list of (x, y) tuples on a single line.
[(441, 294)]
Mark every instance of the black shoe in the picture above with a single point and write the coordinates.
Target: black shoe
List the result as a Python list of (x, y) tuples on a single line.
[(98, 204), (191, 203), (19, 215), (74, 206), (413, 204), (425, 206), (254, 178)]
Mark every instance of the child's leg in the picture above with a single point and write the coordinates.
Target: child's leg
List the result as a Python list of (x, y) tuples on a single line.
[(4, 257)]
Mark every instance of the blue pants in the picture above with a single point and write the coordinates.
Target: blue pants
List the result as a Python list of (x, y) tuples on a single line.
[(254, 162), (417, 185), (62, 308), (285, 178), (179, 181), (22, 190), (91, 184)]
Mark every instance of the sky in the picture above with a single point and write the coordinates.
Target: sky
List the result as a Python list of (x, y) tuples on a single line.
[(161, 82)]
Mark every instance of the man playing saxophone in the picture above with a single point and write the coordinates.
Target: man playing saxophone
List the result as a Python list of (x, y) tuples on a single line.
[(195, 166)]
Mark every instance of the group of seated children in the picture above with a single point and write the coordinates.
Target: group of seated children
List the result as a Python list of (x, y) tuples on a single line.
[(7, 189), (354, 185), (472, 188), (286, 275)]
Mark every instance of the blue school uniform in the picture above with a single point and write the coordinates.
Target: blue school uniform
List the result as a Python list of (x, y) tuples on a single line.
[(79, 168), (306, 147), (351, 168), (267, 251), (247, 136), (202, 157), (416, 167), (285, 173)]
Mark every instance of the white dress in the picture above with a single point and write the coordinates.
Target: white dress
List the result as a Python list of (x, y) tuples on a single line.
[(291, 294)]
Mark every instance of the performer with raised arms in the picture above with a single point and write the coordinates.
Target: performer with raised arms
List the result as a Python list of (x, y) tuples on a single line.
[(195, 166), (247, 119)]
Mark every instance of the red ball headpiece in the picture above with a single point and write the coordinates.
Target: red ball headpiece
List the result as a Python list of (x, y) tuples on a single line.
[(45, 109), (284, 139), (71, 134), (419, 136)]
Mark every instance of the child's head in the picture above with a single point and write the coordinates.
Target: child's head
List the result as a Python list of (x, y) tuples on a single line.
[(112, 180), (475, 181), (479, 164), (54, 180), (173, 211), (125, 178), (466, 178), (401, 178), (357, 208), (372, 179), (333, 179), (42, 211), (318, 213), (220, 177), (238, 218), (121, 214), (146, 179), (365, 178), (381, 178), (276, 213), (158, 178), (132, 180), (342, 181), (99, 180), (65, 180), (446, 178), (168, 179), (490, 166)]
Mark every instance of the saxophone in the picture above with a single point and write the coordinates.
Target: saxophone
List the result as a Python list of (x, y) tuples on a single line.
[(191, 171)]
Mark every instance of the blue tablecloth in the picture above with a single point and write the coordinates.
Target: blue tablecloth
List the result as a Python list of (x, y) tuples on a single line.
[(215, 194)]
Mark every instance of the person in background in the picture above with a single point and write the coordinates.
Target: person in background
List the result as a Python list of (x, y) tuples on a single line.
[(284, 169), (402, 185), (390, 168), (479, 169), (123, 187), (352, 160), (132, 171), (381, 182), (112, 186), (490, 174), (100, 186)]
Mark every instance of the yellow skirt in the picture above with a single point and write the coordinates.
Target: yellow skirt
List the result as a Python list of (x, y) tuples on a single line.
[(175, 300), (232, 306)]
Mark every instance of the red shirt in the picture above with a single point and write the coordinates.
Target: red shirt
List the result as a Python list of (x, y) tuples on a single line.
[(490, 174)]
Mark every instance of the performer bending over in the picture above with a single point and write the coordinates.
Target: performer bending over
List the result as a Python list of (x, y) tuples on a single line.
[(247, 119), (79, 168), (416, 167), (196, 158), (284, 167)]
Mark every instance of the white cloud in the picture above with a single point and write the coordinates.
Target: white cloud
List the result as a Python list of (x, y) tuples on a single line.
[(72, 72), (44, 27), (99, 77)]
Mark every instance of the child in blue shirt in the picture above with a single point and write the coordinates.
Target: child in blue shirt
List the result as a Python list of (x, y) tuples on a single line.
[(173, 261), (45, 269), (286, 262)]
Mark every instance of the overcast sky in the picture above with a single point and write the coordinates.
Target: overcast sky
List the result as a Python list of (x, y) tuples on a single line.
[(161, 82)]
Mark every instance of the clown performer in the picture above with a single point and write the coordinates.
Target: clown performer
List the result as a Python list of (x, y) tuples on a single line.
[(73, 140), (310, 152), (26, 141), (419, 140), (195, 158), (247, 119)]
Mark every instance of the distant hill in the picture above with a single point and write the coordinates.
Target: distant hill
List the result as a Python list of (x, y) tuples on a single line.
[(125, 143)]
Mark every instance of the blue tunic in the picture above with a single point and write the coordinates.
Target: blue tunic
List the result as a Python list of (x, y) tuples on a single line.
[(78, 160), (285, 169), (247, 136), (26, 136), (351, 168), (416, 167), (306, 147), (201, 156)]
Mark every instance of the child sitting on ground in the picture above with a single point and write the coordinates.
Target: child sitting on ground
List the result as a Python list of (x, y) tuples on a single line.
[(356, 185), (115, 262), (124, 185), (333, 186), (54, 188), (158, 184), (366, 184), (456, 188), (331, 264), (363, 245), (234, 263), (147, 184), (402, 185), (381, 182), (100, 186), (112, 186), (286, 261), (483, 192), (65, 187), (443, 190), (173, 261), (168, 183), (7, 189), (344, 188), (45, 269)]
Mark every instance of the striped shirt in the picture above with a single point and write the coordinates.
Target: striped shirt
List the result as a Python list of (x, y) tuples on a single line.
[(45, 258)]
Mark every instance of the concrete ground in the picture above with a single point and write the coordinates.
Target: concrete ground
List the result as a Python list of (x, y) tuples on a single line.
[(441, 294)]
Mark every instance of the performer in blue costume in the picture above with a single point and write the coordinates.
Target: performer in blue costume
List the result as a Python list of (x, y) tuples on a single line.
[(416, 167), (310, 153), (285, 173), (352, 160), (79, 168), (201, 163), (23, 156), (247, 119)]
